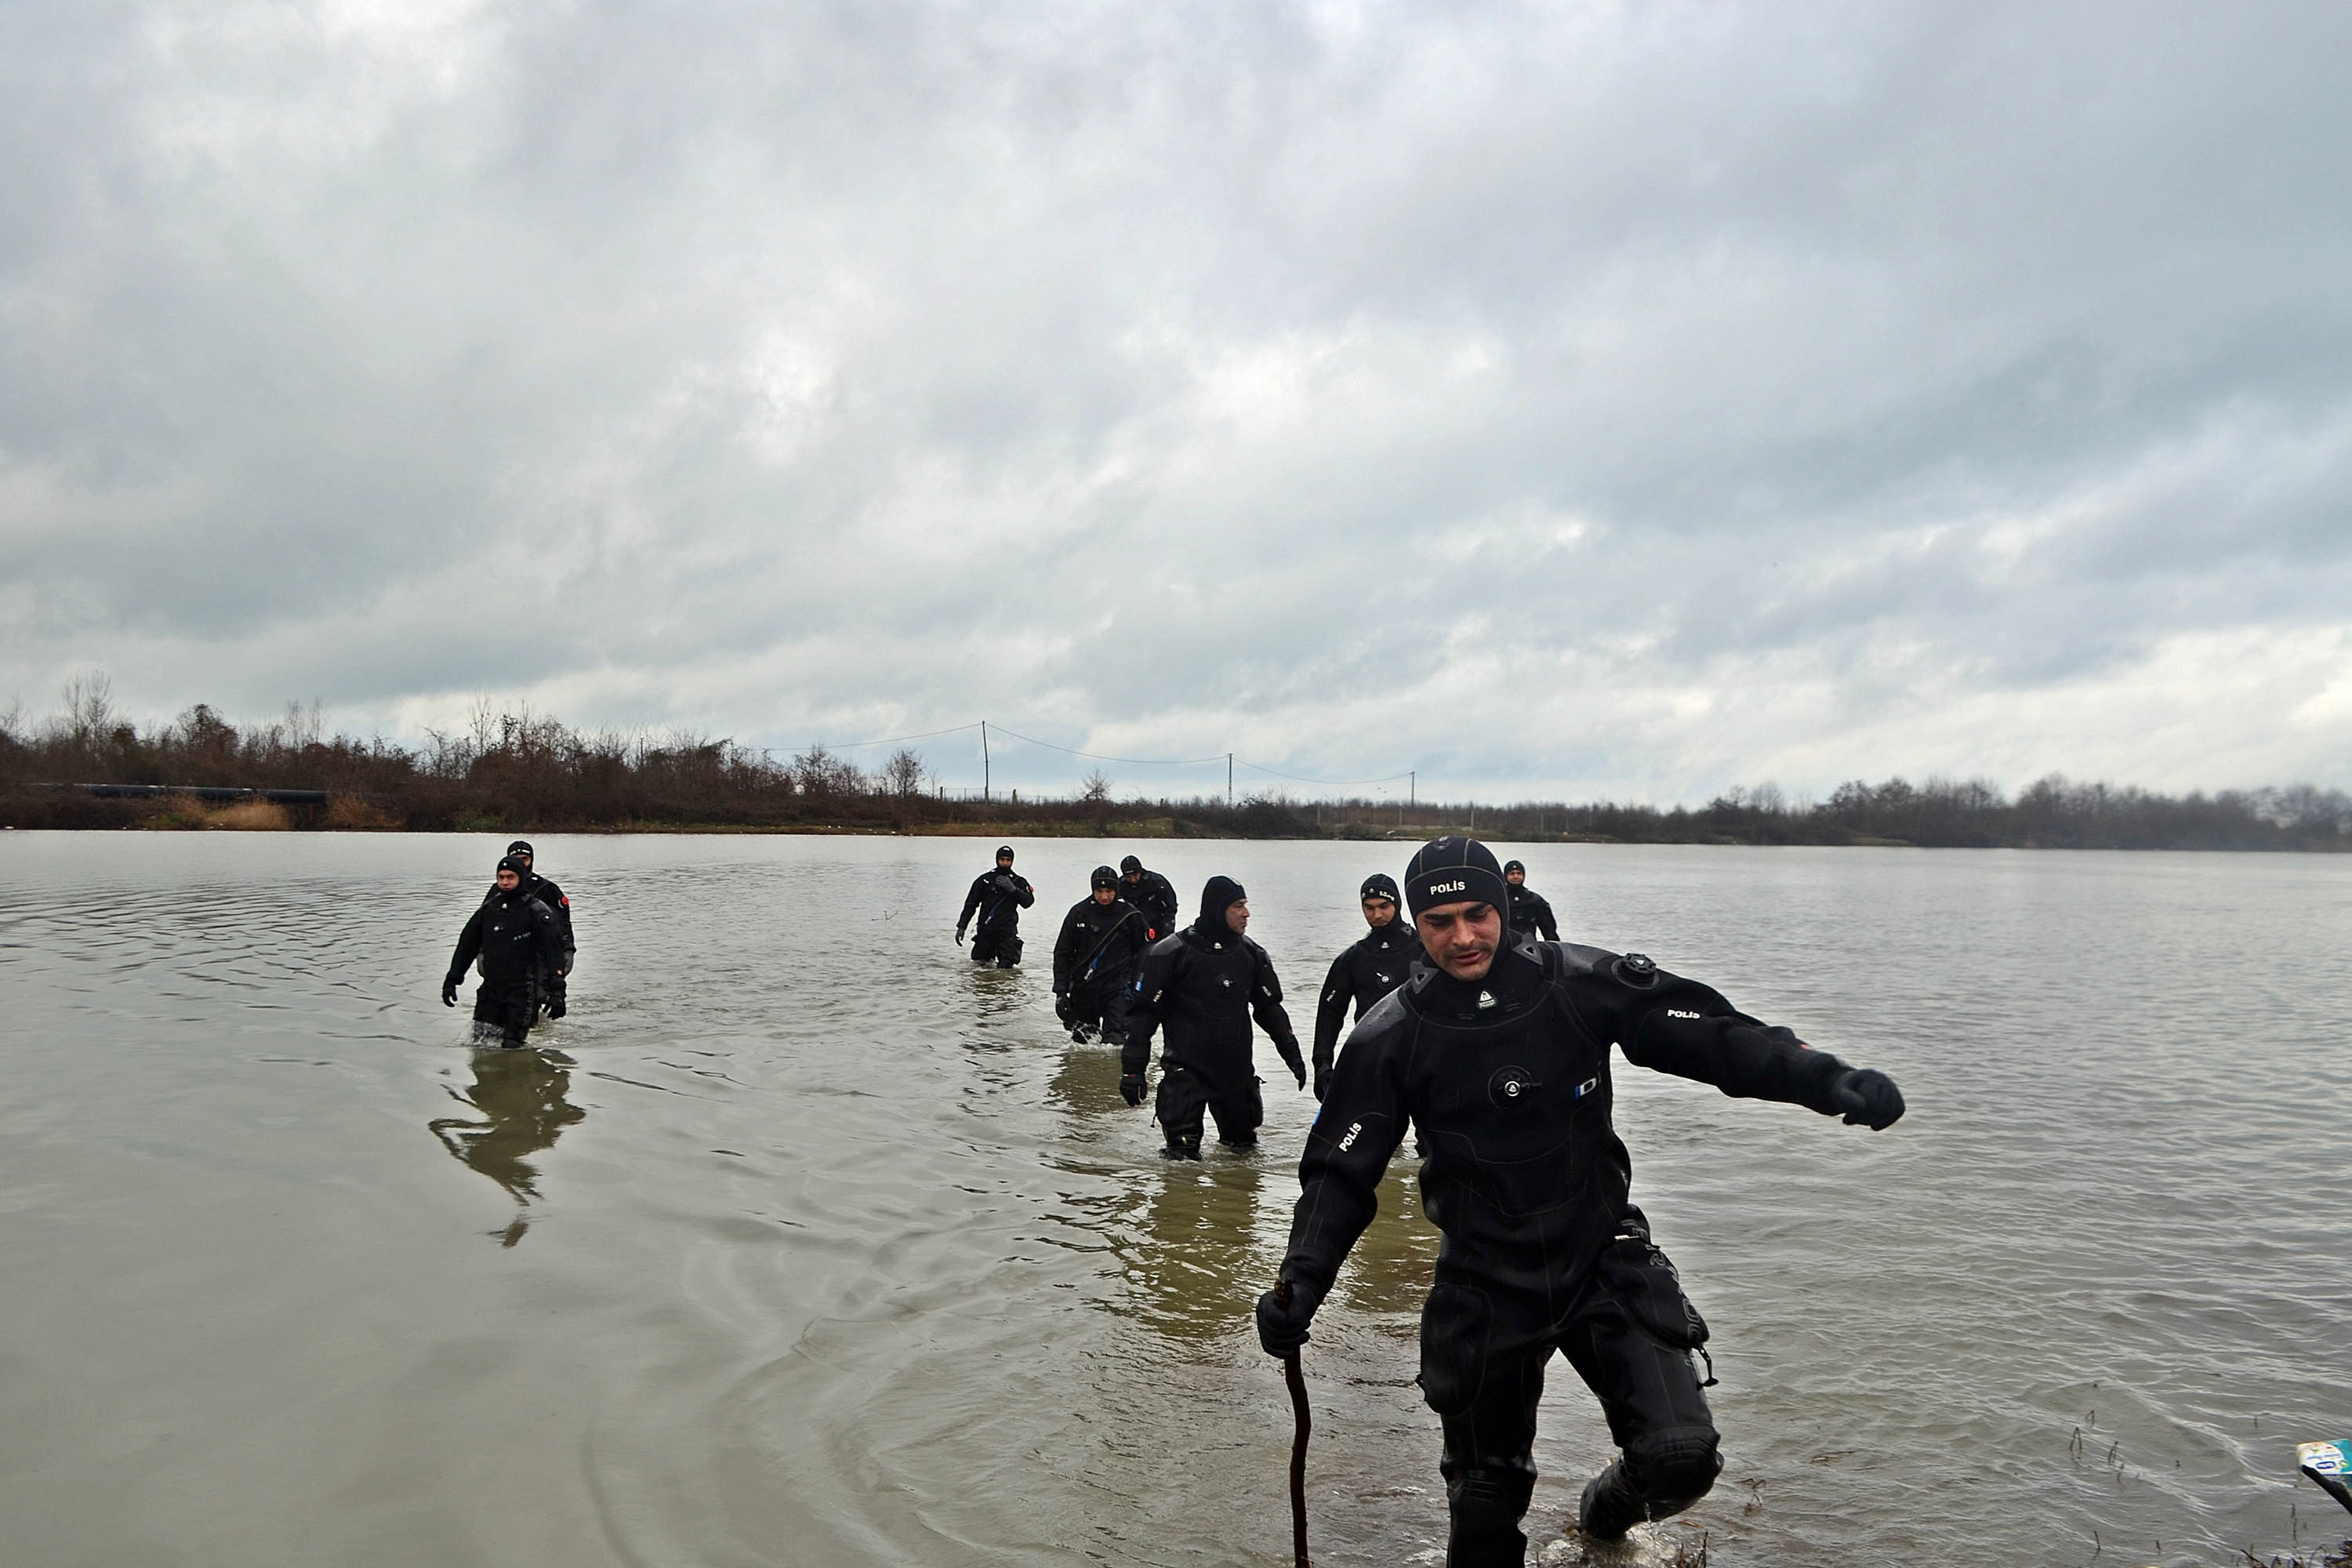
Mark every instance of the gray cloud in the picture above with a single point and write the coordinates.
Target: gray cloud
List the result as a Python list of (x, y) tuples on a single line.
[(1591, 399)]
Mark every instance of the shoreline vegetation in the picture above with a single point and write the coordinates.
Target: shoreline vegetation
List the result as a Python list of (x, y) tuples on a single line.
[(523, 773)]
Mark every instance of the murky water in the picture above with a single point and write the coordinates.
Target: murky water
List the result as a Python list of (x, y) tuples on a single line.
[(799, 1242)]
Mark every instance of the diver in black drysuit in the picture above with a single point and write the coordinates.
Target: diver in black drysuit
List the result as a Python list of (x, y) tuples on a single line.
[(1531, 912), (1151, 893), (517, 939), (1372, 966), (1507, 1075), (1095, 960), (1202, 985), (1000, 896), (552, 984)]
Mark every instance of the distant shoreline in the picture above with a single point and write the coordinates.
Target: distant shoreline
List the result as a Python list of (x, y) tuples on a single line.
[(520, 773), (174, 816)]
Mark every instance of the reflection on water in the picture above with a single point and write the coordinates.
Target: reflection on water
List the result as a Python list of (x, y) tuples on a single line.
[(1086, 1084), (520, 1095), (1389, 1270), (1196, 1268)]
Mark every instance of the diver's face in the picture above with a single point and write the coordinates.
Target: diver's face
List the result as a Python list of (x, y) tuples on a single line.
[(1515, 877), (508, 881), (1105, 895), (1379, 911), (1237, 916), (1461, 939)]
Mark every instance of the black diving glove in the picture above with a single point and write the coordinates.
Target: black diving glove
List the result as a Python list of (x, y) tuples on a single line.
[(1061, 1006), (1868, 1098), (1130, 1087), (959, 936), (1297, 1063), (449, 991), (1282, 1315), (1322, 1083)]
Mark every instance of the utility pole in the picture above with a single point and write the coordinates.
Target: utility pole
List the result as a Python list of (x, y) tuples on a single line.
[(1229, 781), (983, 762)]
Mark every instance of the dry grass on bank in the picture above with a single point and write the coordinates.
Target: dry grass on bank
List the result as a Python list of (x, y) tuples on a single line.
[(349, 813)]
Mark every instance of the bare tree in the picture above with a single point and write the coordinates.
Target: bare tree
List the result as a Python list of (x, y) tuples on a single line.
[(1094, 788), (820, 773), (89, 706), (303, 725), (482, 719), (904, 773)]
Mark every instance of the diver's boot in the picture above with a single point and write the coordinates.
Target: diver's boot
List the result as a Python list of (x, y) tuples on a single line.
[(1187, 1149), (1610, 1506)]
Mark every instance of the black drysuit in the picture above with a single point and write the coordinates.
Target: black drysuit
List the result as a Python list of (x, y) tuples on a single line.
[(519, 940), (1530, 913), (1153, 895), (552, 983), (1202, 987), (1509, 1083), (1375, 966), (1094, 961), (1000, 896)]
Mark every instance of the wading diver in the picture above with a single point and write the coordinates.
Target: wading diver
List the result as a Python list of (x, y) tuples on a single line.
[(1202, 985), (1095, 960), (999, 896), (552, 985), (1531, 912), (517, 939), (1372, 966), (1497, 1048), (1151, 893)]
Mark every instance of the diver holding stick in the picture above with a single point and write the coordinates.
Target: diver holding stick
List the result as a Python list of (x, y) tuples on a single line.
[(1497, 1051)]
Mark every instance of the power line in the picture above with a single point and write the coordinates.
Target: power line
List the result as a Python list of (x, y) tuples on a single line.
[(1295, 778), (1099, 757), (886, 741)]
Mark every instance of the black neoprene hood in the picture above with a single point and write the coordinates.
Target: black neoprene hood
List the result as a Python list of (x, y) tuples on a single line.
[(1221, 894), (1454, 871), (1379, 885)]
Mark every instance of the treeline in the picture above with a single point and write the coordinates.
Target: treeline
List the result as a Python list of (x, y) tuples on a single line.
[(522, 771)]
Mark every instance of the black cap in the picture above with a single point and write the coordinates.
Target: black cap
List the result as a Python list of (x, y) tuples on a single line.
[(1454, 871), (1104, 876), (511, 864), (1130, 863), (1004, 852), (1221, 894), (1379, 885), (1511, 866), (520, 847)]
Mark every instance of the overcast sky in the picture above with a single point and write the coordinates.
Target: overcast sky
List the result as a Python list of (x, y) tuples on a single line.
[(1578, 399)]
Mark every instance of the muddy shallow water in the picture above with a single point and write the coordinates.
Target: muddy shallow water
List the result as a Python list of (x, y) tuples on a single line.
[(800, 1242)]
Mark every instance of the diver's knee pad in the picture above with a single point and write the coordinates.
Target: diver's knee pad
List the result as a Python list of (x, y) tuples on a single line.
[(1674, 1467)]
